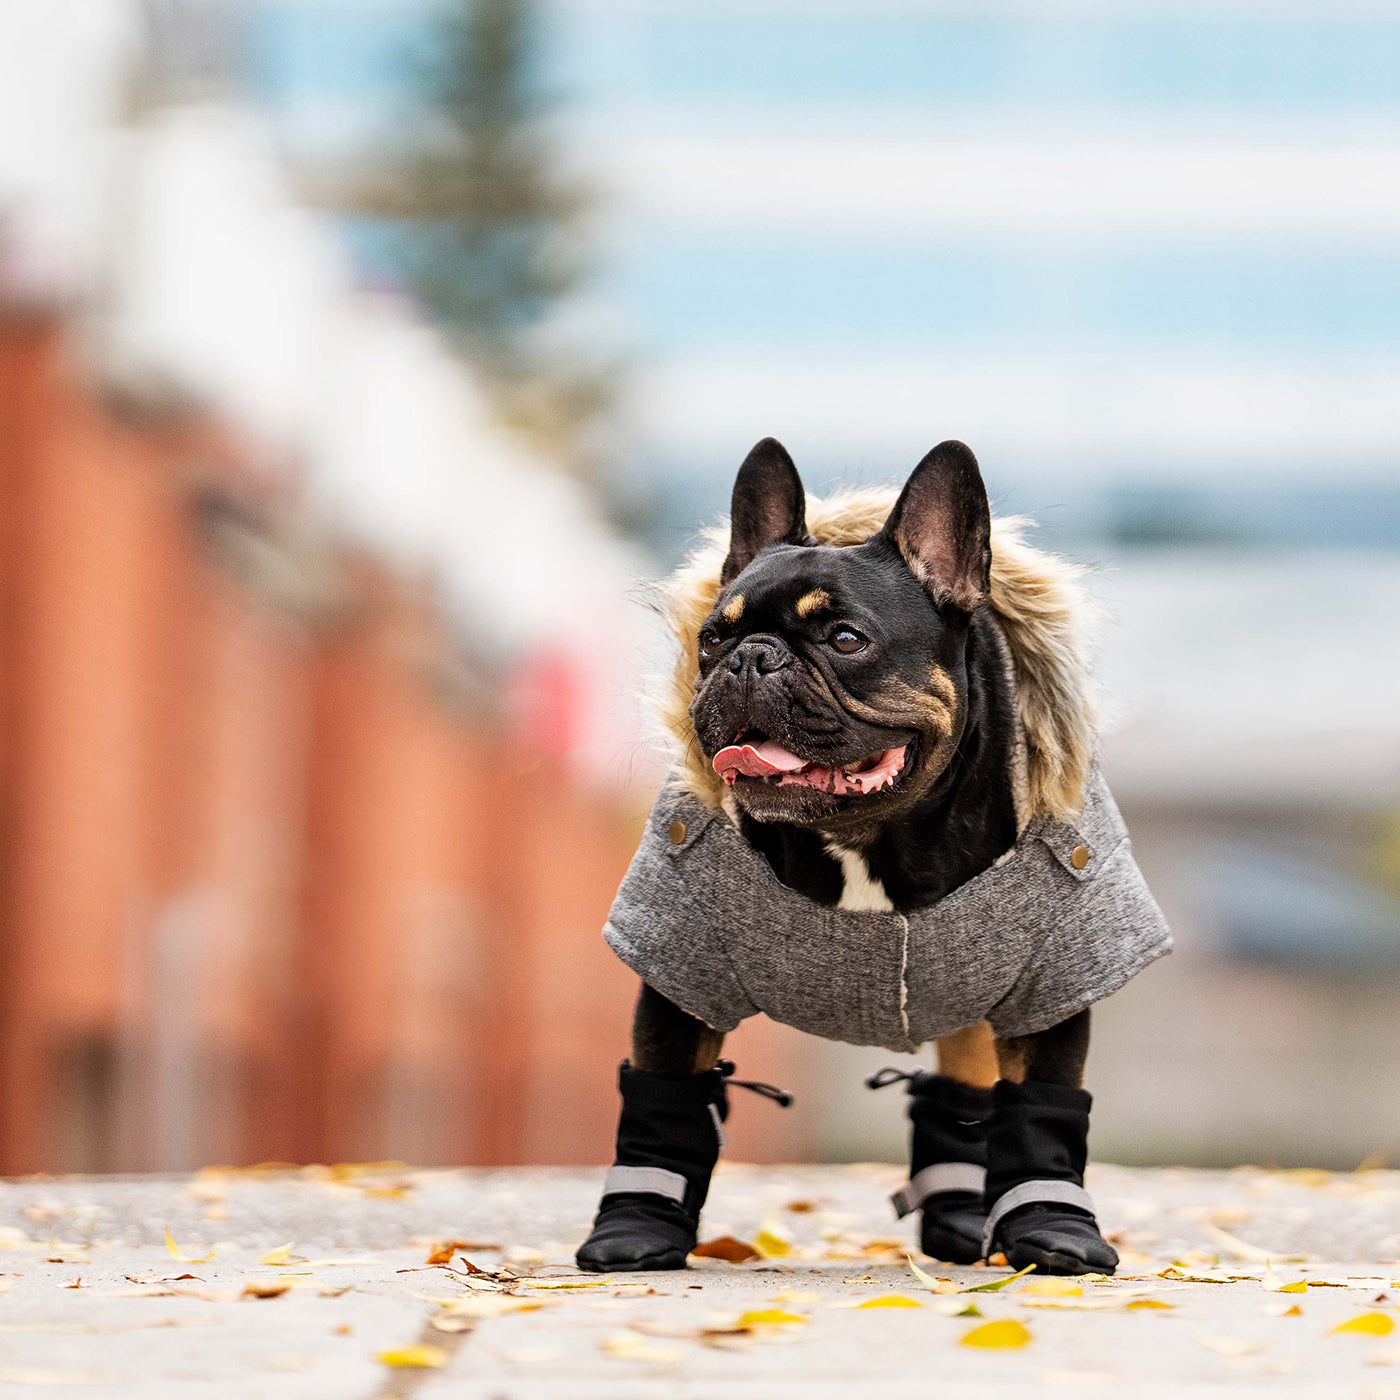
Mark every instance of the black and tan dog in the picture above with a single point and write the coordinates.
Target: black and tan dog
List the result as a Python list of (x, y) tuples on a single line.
[(886, 827)]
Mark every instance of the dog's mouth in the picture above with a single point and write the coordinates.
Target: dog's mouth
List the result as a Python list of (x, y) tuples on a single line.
[(753, 755)]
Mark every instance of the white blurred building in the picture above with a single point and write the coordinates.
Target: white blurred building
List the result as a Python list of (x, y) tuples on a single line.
[(163, 208)]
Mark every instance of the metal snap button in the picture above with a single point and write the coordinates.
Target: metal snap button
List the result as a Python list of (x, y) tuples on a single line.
[(1078, 857), (678, 834)]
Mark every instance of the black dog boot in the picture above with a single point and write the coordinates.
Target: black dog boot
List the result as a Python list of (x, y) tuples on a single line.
[(947, 1162), (668, 1140), (1038, 1211)]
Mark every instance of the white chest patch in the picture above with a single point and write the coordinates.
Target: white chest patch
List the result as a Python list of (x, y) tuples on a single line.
[(861, 890)]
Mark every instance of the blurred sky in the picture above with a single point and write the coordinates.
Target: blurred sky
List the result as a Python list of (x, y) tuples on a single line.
[(1142, 256)]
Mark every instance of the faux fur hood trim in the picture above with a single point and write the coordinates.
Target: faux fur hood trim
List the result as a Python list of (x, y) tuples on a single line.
[(1044, 612)]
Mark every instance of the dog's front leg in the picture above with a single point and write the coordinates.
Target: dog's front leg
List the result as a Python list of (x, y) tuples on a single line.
[(668, 1140), (1037, 1209)]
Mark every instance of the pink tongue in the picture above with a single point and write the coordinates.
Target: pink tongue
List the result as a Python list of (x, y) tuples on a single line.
[(756, 760)]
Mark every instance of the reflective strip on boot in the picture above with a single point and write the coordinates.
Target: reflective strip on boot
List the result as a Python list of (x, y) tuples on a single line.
[(655, 1181), (942, 1176), (1064, 1193)]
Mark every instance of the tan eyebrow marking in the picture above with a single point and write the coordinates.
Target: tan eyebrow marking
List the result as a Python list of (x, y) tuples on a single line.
[(812, 602), (733, 610)]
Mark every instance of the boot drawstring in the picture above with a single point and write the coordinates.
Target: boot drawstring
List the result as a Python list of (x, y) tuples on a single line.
[(883, 1078), (781, 1097)]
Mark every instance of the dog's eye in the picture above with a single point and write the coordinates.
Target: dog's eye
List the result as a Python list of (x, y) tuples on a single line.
[(709, 640), (847, 641)]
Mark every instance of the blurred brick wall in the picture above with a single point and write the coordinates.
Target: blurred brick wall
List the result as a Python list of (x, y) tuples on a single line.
[(277, 881)]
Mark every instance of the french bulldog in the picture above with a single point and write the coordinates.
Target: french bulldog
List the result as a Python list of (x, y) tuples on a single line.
[(869, 825)]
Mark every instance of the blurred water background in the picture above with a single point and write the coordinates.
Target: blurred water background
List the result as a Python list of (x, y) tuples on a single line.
[(360, 361)]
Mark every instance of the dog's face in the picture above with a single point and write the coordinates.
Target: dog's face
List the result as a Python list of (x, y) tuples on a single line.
[(832, 687)]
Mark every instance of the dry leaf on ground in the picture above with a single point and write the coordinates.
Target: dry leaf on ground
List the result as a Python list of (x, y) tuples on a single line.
[(771, 1244), (957, 1307), (770, 1317), (995, 1285), (281, 1255), (265, 1288), (1370, 1324), (177, 1253), (934, 1285), (420, 1354), (726, 1247), (1053, 1288), (443, 1250), (1004, 1332), (492, 1305)]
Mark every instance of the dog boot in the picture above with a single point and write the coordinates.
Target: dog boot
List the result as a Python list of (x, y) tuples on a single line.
[(1038, 1211), (668, 1140), (947, 1162)]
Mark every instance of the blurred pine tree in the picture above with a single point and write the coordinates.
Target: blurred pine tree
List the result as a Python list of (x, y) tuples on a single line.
[(492, 230)]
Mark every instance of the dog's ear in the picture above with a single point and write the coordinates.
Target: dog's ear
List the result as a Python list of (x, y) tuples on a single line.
[(942, 526), (768, 506)]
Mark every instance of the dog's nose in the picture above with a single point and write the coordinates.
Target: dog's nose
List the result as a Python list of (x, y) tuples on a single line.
[(762, 654)]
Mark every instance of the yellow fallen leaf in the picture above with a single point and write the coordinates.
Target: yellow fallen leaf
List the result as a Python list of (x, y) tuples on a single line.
[(797, 1295), (1272, 1283), (1098, 1304), (995, 1285), (1004, 1332), (1242, 1249), (6, 1284), (280, 1255), (771, 1244), (493, 1305), (632, 1346), (934, 1285), (593, 1281), (891, 1300), (1053, 1288), (956, 1307), (420, 1354), (1281, 1310), (265, 1288), (769, 1317), (177, 1253), (1372, 1324), (1146, 1303)]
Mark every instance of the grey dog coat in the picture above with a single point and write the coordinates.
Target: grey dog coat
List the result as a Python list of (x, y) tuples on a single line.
[(1062, 920)]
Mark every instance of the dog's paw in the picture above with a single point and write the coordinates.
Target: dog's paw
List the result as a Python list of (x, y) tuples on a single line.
[(634, 1235), (951, 1229), (1056, 1239)]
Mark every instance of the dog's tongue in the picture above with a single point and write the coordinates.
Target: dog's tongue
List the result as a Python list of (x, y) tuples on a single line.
[(756, 760)]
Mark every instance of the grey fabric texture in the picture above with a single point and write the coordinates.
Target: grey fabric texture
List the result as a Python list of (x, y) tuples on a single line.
[(1023, 945)]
